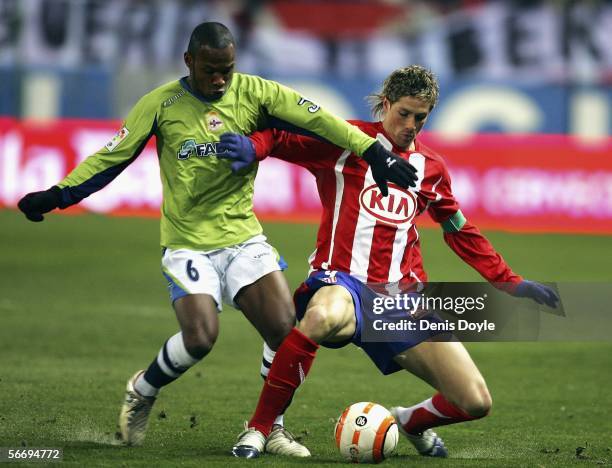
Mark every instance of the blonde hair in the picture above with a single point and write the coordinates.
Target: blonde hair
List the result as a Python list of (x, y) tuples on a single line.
[(414, 80)]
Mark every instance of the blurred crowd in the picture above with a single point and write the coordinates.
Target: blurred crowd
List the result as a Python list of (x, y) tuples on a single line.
[(553, 41)]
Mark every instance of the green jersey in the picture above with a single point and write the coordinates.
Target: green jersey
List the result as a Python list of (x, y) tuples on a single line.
[(205, 206)]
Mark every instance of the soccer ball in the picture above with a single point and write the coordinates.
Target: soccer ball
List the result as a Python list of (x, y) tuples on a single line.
[(366, 433)]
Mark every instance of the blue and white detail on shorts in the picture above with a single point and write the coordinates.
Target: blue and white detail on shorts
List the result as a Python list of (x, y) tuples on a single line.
[(220, 273), (176, 292), (380, 352)]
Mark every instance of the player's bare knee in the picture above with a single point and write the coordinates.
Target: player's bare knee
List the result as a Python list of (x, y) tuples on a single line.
[(477, 400), (199, 343), (479, 408), (326, 313), (286, 318), (318, 323), (277, 333), (275, 338), (279, 328)]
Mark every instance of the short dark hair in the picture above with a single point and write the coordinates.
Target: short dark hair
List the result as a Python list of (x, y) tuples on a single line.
[(211, 34), (414, 80)]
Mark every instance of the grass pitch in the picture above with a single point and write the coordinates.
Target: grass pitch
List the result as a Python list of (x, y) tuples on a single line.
[(83, 305)]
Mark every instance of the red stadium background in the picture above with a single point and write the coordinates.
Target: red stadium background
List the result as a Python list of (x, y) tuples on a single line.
[(541, 183)]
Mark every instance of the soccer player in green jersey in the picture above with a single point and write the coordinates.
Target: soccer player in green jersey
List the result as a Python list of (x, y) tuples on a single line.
[(213, 246)]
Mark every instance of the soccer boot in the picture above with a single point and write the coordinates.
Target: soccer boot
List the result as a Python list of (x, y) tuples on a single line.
[(250, 443), (134, 414), (428, 443), (281, 442)]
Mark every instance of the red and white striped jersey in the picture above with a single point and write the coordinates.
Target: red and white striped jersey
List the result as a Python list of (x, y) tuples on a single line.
[(371, 237)]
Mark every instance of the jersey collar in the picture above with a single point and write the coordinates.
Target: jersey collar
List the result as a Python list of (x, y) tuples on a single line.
[(185, 84), (396, 150)]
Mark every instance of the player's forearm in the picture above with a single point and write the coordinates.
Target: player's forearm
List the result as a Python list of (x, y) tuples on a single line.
[(263, 142), (95, 173), (299, 149), (83, 181), (290, 107), (345, 135), (476, 250), (99, 169)]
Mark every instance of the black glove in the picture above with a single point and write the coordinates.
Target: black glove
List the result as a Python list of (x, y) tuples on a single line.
[(387, 167), (34, 204), (540, 293)]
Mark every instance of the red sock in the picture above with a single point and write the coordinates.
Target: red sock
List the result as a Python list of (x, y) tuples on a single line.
[(289, 369), (433, 412)]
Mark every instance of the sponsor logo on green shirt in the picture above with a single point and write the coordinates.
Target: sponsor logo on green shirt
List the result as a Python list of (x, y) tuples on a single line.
[(191, 148)]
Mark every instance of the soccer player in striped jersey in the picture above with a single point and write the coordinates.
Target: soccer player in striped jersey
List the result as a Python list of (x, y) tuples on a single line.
[(368, 236), (213, 246)]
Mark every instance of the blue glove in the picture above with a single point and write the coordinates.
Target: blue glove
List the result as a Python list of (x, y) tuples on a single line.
[(238, 148), (538, 292)]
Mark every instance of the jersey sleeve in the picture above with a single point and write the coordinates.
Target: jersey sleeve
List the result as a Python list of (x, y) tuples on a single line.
[(287, 108), (99, 169), (310, 153), (476, 250), (463, 237)]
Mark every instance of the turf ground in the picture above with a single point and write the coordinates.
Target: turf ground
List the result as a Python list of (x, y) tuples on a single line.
[(83, 305)]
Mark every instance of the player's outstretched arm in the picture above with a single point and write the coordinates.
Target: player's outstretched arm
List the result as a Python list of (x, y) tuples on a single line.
[(35, 204), (387, 167), (287, 106), (475, 249), (306, 151)]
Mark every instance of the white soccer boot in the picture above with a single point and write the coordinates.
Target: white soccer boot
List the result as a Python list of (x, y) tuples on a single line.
[(281, 442), (428, 443), (134, 414), (250, 443)]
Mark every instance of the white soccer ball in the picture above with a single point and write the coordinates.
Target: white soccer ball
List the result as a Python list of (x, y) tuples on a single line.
[(366, 433)]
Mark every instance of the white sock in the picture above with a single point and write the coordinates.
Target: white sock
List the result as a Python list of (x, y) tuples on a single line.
[(145, 388), (178, 354), (266, 360), (171, 362), (280, 420)]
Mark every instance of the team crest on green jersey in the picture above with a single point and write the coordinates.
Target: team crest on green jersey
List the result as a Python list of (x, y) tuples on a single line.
[(191, 148), (214, 122)]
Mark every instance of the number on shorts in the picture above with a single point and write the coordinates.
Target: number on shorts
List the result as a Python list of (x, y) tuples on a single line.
[(193, 274)]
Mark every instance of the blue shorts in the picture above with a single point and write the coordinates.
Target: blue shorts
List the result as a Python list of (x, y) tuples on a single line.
[(380, 349)]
